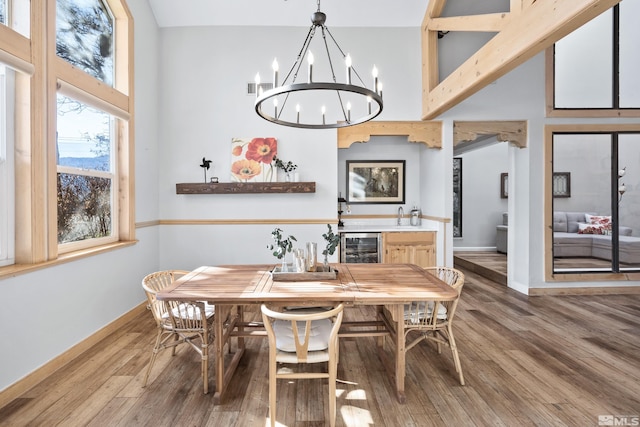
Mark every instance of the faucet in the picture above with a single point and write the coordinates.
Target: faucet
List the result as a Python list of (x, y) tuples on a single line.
[(400, 215)]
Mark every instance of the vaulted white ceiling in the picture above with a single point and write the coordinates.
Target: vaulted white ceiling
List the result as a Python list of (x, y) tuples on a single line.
[(340, 13)]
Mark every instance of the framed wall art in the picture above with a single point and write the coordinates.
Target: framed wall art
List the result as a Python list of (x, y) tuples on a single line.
[(375, 181), (252, 160), (504, 185), (562, 184)]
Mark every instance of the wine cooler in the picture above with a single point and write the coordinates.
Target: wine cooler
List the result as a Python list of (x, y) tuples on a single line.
[(360, 247)]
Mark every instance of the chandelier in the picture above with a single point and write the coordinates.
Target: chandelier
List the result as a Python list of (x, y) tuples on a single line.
[(319, 105)]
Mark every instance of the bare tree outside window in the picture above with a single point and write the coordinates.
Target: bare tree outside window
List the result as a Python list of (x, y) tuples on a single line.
[(86, 179), (84, 37), (85, 172)]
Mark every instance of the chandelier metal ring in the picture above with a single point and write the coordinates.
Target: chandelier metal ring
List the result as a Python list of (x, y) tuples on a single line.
[(339, 87)]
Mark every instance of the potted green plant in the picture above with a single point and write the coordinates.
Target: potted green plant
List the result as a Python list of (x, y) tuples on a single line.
[(281, 246), (287, 167), (333, 240)]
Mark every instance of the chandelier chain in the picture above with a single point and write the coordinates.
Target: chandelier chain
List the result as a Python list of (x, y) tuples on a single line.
[(333, 74)]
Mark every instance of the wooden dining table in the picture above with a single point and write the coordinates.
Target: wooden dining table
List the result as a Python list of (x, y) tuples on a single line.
[(233, 287)]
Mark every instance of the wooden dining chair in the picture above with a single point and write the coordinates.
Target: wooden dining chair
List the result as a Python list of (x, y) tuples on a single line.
[(299, 337), (433, 320), (178, 322)]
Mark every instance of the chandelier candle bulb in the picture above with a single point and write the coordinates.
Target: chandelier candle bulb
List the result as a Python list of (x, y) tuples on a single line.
[(275, 72), (369, 103), (347, 61), (310, 60), (374, 73)]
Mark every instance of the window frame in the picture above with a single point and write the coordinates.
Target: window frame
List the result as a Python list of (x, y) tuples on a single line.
[(551, 109), (36, 193), (549, 131)]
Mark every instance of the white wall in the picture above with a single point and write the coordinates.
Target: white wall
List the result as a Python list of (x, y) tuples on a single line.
[(482, 206), (52, 309), (204, 74), (384, 148), (519, 95)]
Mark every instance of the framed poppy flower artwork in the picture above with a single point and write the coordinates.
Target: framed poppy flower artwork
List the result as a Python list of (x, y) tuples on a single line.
[(252, 159)]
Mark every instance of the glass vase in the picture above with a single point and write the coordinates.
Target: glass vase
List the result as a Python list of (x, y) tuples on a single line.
[(325, 266)]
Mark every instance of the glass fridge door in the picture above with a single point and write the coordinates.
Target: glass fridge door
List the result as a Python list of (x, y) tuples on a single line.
[(360, 248)]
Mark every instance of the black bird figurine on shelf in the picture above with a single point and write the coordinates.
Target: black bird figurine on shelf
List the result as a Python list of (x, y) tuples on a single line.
[(206, 164)]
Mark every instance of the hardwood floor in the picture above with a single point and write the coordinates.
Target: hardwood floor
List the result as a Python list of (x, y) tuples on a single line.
[(489, 264), (546, 360), (493, 265)]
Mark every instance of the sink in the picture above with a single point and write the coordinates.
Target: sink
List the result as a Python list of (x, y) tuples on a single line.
[(381, 227)]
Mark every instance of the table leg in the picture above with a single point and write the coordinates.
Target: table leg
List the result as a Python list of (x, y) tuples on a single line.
[(222, 337), (218, 322), (400, 352), (396, 367), (380, 338)]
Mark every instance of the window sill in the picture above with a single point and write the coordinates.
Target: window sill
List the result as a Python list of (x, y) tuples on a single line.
[(17, 269)]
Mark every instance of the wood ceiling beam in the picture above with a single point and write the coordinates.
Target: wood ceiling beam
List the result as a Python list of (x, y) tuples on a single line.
[(537, 26), (491, 22)]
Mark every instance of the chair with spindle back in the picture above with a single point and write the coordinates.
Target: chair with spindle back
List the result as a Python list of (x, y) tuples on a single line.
[(433, 320), (302, 336), (178, 322)]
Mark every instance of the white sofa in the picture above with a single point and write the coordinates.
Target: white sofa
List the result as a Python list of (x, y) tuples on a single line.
[(568, 242)]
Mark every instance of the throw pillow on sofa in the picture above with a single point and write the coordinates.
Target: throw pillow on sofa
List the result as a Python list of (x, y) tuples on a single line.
[(592, 228), (598, 219)]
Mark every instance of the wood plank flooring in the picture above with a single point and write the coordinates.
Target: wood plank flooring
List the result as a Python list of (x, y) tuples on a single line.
[(544, 361), (489, 264)]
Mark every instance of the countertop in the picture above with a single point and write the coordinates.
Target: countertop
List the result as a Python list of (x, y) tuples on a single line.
[(378, 228)]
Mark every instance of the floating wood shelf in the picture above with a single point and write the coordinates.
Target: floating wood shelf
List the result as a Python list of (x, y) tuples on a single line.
[(246, 187)]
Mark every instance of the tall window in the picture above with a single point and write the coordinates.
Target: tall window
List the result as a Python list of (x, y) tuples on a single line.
[(594, 234), (6, 166), (72, 180), (607, 48), (15, 15), (86, 175), (84, 37), (597, 228)]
